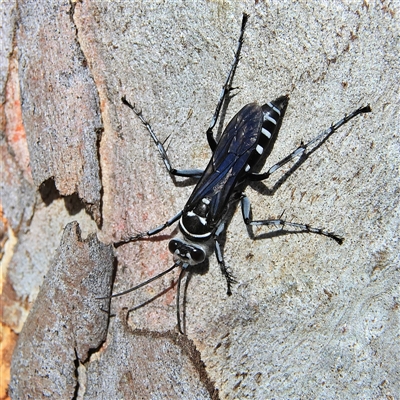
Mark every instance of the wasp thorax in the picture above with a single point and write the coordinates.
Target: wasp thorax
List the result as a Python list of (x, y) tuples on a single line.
[(194, 222)]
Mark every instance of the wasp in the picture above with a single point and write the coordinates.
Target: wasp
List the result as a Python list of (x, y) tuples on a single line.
[(236, 157)]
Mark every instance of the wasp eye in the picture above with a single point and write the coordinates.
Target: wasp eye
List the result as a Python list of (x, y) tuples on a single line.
[(197, 255), (173, 246)]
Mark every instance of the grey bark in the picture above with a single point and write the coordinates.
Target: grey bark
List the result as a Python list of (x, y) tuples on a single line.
[(308, 318), (67, 321)]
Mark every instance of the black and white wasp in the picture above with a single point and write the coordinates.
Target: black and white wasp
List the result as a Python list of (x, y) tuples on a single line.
[(236, 156)]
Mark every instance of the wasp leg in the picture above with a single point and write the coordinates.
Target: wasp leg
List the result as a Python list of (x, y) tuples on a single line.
[(188, 173), (246, 207), (305, 150), (151, 232), (230, 279), (227, 87)]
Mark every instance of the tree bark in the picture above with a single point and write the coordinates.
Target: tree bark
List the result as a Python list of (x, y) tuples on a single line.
[(308, 318)]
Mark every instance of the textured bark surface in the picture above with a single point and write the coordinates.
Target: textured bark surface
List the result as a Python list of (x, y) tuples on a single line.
[(60, 103), (308, 318), (67, 322), (141, 364)]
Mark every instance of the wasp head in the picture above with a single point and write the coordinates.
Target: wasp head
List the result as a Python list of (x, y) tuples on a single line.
[(188, 253)]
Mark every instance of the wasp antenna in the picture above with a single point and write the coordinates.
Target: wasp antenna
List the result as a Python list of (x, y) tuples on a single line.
[(178, 291), (140, 285), (166, 139)]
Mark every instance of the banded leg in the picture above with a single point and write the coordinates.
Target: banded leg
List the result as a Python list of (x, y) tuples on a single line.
[(227, 86), (188, 173), (230, 279), (245, 203), (303, 150), (151, 232)]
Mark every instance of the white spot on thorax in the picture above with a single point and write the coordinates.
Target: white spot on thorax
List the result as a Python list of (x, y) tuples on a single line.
[(201, 219)]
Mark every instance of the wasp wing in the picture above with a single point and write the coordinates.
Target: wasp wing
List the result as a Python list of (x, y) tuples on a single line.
[(227, 164)]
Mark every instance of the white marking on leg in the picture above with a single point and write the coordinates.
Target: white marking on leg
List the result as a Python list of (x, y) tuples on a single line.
[(220, 228), (274, 168), (298, 152), (167, 164), (247, 169), (259, 149)]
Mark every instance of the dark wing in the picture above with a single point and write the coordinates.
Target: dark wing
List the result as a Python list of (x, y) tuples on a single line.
[(228, 161)]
